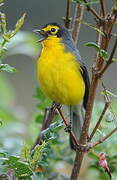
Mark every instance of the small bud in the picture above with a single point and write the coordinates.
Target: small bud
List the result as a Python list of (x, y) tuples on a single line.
[(103, 163)]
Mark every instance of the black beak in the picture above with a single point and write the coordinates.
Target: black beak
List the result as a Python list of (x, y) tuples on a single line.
[(42, 33)]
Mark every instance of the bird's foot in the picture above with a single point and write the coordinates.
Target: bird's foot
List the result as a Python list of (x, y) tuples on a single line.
[(55, 106), (68, 128)]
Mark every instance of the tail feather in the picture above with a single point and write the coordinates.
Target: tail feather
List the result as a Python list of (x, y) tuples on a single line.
[(77, 119)]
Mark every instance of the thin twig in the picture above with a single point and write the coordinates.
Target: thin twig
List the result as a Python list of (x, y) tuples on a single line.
[(110, 60), (47, 119), (99, 121), (101, 140), (106, 96), (102, 5), (107, 99), (92, 11), (67, 18), (66, 124), (78, 15), (83, 140)]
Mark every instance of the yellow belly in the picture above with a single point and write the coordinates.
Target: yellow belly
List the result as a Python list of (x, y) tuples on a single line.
[(59, 76)]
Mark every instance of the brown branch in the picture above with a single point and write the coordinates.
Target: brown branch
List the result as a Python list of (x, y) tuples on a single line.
[(83, 140), (92, 11), (78, 15), (67, 19), (99, 121), (101, 140), (47, 119), (97, 66), (102, 6), (106, 96), (110, 60), (67, 125), (80, 155)]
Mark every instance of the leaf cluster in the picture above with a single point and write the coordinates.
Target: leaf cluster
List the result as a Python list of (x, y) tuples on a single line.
[(6, 36)]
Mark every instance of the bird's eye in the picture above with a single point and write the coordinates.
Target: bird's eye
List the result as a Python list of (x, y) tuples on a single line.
[(53, 30)]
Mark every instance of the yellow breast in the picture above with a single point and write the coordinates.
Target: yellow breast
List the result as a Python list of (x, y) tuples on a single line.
[(59, 73)]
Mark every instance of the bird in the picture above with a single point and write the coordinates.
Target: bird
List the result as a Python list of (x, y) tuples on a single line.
[(62, 73)]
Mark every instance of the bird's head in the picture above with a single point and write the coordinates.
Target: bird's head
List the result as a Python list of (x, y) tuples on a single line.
[(53, 31)]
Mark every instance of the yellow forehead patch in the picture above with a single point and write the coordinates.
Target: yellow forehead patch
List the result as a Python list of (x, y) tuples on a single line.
[(49, 27)]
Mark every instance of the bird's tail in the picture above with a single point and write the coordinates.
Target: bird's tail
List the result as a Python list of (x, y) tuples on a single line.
[(77, 119)]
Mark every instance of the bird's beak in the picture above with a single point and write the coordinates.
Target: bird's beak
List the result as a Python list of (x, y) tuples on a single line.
[(42, 33)]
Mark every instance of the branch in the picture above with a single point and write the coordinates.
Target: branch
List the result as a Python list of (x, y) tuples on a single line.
[(102, 5), (101, 140), (110, 60), (47, 119), (67, 125), (67, 19), (107, 104), (92, 11), (78, 15), (97, 66), (99, 121)]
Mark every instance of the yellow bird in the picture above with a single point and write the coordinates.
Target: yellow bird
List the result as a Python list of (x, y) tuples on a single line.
[(61, 72)]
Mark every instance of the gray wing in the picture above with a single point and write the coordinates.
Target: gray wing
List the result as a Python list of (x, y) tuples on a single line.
[(68, 41)]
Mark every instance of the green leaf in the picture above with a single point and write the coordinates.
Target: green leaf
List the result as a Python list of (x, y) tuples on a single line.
[(48, 134), (2, 154), (37, 154), (3, 22), (102, 52), (25, 153), (39, 118), (39, 94), (109, 93), (1, 1), (21, 169), (6, 36), (18, 25), (44, 101), (114, 60), (88, 3), (94, 45), (7, 68)]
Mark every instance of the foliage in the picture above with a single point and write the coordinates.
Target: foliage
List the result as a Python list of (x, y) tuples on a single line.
[(6, 36), (102, 52), (82, 2)]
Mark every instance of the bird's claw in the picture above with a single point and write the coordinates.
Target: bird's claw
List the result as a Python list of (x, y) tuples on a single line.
[(68, 128)]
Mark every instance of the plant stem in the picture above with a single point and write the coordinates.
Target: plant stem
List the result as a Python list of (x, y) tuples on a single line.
[(66, 124), (110, 60), (97, 66), (101, 140), (47, 119), (80, 154), (99, 121), (102, 4), (92, 11), (78, 15), (67, 19)]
